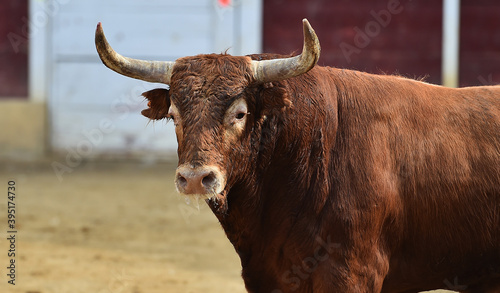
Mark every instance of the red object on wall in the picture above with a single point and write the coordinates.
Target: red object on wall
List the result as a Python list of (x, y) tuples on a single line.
[(224, 3), (13, 48)]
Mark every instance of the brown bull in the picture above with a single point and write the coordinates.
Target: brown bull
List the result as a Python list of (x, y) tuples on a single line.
[(331, 180)]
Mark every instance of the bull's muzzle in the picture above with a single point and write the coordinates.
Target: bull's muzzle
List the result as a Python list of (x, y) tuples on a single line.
[(204, 180)]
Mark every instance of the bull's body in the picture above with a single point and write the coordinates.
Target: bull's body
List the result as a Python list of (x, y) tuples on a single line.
[(329, 180), (400, 178)]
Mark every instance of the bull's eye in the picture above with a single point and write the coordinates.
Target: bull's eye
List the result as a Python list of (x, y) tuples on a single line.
[(240, 115), (172, 113), (236, 114)]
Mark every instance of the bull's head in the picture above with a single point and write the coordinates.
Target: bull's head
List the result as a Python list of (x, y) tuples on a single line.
[(219, 104)]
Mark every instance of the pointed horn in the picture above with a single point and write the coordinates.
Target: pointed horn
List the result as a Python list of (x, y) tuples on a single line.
[(152, 71), (279, 69)]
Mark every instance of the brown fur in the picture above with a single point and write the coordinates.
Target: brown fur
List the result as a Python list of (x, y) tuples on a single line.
[(345, 181)]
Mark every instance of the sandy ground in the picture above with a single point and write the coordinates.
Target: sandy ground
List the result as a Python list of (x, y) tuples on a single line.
[(112, 228)]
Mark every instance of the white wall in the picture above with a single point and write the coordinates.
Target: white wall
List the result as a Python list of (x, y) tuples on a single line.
[(94, 111)]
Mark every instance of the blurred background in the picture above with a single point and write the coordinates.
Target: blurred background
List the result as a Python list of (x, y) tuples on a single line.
[(51, 74), (97, 205)]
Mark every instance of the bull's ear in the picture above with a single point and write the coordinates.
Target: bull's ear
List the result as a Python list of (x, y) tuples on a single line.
[(158, 104)]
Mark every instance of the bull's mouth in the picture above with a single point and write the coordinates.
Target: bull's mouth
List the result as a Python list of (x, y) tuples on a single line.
[(216, 201), (196, 198)]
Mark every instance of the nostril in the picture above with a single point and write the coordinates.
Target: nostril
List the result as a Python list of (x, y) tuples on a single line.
[(181, 181), (209, 181)]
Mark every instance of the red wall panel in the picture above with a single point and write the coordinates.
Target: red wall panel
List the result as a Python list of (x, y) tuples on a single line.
[(13, 48), (400, 37), (409, 43), (480, 42)]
